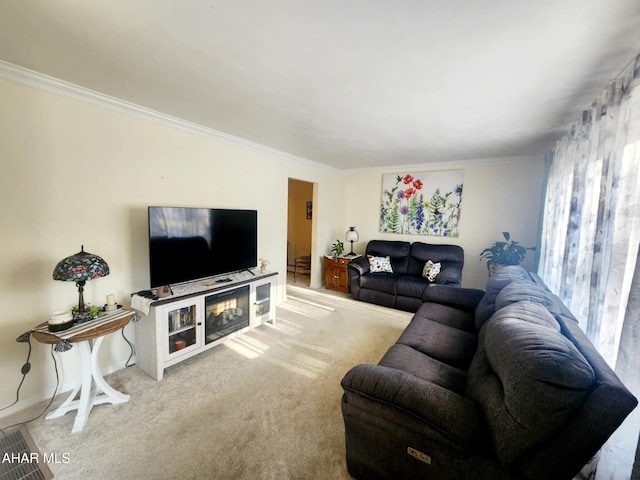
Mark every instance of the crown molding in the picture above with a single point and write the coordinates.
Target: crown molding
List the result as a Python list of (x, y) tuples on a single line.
[(31, 78), (447, 165)]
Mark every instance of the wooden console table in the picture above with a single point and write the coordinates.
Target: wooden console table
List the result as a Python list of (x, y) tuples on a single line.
[(86, 338)]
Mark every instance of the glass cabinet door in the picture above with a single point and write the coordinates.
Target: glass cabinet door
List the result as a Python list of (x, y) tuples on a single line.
[(263, 299), (181, 325)]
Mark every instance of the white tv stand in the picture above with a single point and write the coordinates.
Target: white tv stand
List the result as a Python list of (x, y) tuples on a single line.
[(200, 315)]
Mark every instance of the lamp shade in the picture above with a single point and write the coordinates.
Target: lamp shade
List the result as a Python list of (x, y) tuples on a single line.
[(352, 235), (80, 267)]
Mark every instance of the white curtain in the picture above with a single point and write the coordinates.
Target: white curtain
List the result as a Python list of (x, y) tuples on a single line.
[(591, 225), (591, 236)]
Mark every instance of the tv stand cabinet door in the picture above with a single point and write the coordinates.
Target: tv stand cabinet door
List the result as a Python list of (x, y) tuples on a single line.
[(181, 323), (263, 299), (159, 335)]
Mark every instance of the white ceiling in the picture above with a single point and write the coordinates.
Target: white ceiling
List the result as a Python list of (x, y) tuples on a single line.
[(349, 84)]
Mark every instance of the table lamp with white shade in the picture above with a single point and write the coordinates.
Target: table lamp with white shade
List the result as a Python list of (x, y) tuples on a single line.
[(352, 236)]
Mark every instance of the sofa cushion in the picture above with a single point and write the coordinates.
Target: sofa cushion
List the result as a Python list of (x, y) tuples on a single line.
[(411, 286), (410, 360), (449, 256), (385, 299), (527, 311), (451, 316), (528, 380), (397, 251), (494, 286), (379, 264), (519, 291), (465, 299), (446, 344), (382, 282), (431, 270), (505, 276)]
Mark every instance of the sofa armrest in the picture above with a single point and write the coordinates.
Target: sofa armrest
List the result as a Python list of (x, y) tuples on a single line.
[(359, 266), (355, 269), (462, 298), (441, 414)]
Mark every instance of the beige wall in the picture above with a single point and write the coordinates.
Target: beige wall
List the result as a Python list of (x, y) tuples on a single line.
[(75, 173), (497, 197)]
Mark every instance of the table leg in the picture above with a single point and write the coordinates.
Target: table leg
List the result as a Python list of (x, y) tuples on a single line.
[(85, 404), (82, 385), (104, 392), (89, 396)]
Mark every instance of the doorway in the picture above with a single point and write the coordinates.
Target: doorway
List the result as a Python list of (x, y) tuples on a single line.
[(299, 232)]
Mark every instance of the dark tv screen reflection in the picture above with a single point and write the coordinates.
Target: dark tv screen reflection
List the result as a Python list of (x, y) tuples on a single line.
[(187, 244)]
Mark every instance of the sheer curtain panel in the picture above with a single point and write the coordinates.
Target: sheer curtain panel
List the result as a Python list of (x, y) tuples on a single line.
[(591, 226), (590, 238)]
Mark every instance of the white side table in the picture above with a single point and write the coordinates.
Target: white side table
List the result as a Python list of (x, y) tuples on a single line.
[(86, 339)]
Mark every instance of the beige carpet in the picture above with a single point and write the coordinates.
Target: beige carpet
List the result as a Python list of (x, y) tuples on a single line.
[(265, 405)]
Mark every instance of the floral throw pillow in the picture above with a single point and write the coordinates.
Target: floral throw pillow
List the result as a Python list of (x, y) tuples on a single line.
[(379, 264), (431, 270)]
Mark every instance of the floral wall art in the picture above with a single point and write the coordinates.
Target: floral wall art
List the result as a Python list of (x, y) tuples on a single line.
[(424, 203)]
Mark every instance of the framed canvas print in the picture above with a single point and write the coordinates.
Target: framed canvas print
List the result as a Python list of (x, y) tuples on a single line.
[(422, 203)]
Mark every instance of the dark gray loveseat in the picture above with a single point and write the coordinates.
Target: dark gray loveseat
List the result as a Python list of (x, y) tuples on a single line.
[(495, 385), (404, 288)]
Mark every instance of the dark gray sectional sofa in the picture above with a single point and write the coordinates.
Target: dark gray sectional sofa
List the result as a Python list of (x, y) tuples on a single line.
[(404, 288), (501, 384)]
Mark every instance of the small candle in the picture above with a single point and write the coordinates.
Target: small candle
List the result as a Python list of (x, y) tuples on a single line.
[(111, 299)]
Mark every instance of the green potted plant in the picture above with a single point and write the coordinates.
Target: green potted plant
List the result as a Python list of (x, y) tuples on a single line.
[(504, 253), (337, 248)]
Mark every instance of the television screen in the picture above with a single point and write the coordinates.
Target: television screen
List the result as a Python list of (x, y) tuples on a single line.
[(192, 243)]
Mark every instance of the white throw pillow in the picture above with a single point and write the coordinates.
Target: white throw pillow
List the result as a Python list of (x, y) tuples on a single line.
[(379, 264), (431, 270)]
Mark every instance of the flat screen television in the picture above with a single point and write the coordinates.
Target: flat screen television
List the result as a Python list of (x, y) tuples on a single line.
[(188, 244)]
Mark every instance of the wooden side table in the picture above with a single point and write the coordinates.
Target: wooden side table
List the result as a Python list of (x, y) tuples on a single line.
[(86, 338), (336, 275)]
